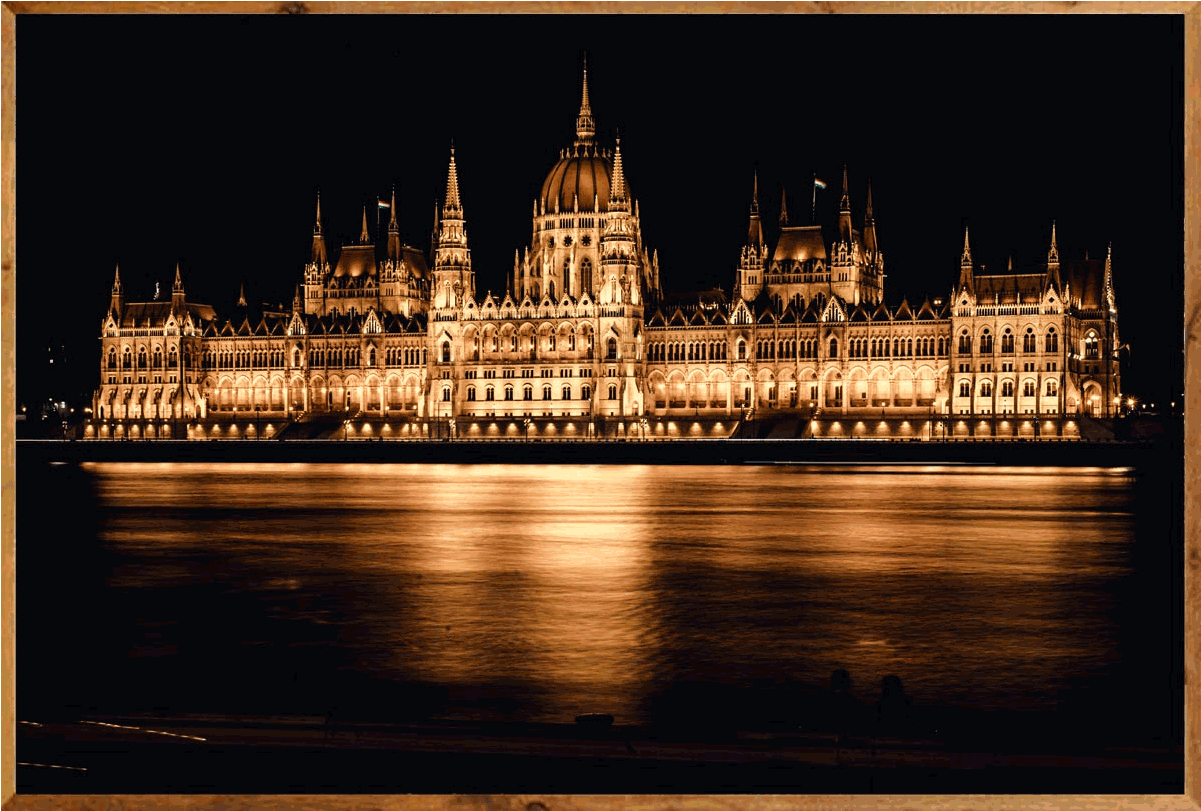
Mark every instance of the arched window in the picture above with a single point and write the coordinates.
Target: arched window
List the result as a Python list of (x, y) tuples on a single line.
[(833, 347), (741, 352), (508, 392), (1091, 347), (986, 388), (158, 358), (585, 392), (295, 357), (552, 343), (1052, 341), (172, 359), (446, 351), (471, 393), (985, 343), (1028, 342), (1007, 343), (1007, 388), (112, 358), (371, 356), (142, 358), (546, 392), (612, 345), (446, 394), (527, 393), (1052, 388), (1028, 388), (965, 389), (586, 276), (612, 391), (567, 392), (490, 393)]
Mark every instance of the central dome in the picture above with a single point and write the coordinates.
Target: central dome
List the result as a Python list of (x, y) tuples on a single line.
[(584, 175)]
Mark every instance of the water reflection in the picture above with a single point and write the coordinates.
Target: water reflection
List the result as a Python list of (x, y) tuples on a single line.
[(594, 588)]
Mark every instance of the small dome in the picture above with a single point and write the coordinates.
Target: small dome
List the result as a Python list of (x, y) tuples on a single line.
[(586, 174), (356, 260)]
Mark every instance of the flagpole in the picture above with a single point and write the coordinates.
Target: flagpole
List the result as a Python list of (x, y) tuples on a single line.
[(813, 210)]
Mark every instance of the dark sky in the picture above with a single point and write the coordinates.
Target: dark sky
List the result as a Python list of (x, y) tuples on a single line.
[(203, 139)]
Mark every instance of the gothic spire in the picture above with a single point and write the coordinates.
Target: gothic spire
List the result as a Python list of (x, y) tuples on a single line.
[(392, 224), (966, 275), (452, 184), (117, 280), (754, 236), (1053, 254), (617, 189), (364, 237), (844, 210), (869, 225), (242, 295), (585, 127), (319, 257), (177, 285), (783, 206)]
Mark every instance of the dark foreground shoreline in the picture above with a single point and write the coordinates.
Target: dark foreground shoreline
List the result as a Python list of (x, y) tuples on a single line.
[(118, 754), (1001, 453)]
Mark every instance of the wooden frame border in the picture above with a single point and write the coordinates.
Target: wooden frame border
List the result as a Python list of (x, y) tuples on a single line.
[(1190, 799)]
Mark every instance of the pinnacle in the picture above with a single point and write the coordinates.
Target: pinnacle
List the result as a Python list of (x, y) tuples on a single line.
[(452, 182)]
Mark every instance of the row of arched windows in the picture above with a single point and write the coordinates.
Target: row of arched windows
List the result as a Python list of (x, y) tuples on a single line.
[(690, 351), (243, 359), (1008, 342), (1028, 388), (527, 393), (155, 361)]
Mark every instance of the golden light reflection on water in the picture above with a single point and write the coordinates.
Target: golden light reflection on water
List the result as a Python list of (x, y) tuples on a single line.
[(593, 586)]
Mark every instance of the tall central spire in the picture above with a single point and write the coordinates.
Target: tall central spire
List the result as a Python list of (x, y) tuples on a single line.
[(585, 127), (452, 185)]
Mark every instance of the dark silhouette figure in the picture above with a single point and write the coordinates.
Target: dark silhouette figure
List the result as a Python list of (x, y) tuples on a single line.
[(894, 715), (846, 713)]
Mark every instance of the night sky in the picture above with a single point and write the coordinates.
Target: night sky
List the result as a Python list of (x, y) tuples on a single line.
[(149, 140)]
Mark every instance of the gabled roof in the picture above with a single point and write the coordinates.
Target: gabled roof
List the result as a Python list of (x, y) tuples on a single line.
[(903, 312), (881, 313), (799, 244), (677, 319), (719, 317), (657, 320), (926, 312), (1087, 280), (859, 314), (698, 319)]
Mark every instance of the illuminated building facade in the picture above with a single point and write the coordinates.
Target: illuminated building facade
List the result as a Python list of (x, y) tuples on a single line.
[(585, 342)]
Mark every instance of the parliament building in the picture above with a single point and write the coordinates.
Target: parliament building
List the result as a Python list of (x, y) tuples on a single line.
[(587, 343)]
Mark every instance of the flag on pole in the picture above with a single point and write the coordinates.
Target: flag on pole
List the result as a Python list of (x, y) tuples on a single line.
[(820, 184), (382, 204)]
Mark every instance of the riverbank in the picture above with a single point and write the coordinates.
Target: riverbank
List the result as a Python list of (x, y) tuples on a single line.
[(1004, 453)]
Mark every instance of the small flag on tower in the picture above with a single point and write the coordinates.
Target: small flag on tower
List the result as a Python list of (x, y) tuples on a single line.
[(382, 204), (821, 184)]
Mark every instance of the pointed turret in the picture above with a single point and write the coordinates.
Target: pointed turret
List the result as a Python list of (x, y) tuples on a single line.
[(617, 188), (754, 234), (394, 232), (453, 277), (869, 225), (1053, 278), (319, 257), (297, 302), (1109, 295), (844, 210), (585, 127), (364, 237), (242, 295), (178, 300), (966, 275), (117, 303), (783, 207)]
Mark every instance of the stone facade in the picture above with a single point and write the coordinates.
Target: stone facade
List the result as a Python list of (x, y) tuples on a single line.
[(584, 341)]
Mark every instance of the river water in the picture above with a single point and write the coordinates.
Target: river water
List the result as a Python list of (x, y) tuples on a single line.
[(538, 593)]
